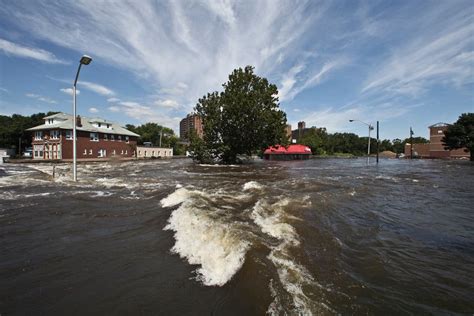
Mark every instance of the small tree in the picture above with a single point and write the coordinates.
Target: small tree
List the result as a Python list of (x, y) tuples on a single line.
[(241, 120), (461, 134)]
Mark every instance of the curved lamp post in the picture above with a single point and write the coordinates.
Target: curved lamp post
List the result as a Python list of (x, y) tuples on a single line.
[(85, 60), (368, 145)]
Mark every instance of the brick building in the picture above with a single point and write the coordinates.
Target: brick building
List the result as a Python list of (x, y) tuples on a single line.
[(189, 123), (435, 148), (96, 138)]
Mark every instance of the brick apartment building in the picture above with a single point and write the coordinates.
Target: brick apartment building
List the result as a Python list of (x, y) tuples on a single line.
[(189, 123), (96, 138), (435, 148)]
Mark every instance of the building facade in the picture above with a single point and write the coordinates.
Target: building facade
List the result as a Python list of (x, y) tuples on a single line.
[(96, 138), (154, 152), (189, 123), (435, 148)]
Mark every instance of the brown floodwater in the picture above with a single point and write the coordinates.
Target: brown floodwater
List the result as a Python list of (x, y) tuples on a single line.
[(323, 236)]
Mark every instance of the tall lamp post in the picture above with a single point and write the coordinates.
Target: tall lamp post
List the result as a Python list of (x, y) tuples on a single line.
[(368, 145), (85, 60)]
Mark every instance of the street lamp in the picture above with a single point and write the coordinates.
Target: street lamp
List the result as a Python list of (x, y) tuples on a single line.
[(368, 145), (85, 60)]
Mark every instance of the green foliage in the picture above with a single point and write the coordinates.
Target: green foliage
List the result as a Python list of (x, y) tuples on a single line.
[(241, 120), (13, 129), (315, 138), (461, 134)]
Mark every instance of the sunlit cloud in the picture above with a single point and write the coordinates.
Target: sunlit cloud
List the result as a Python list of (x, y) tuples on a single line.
[(17, 50), (93, 110), (69, 91), (97, 88), (41, 98)]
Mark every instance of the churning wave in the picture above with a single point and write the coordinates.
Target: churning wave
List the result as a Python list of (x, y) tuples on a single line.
[(213, 239), (204, 237)]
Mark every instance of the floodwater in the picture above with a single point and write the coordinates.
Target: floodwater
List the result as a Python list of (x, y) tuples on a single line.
[(323, 236)]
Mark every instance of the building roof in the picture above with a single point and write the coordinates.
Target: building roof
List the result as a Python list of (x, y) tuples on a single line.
[(64, 121), (290, 150), (440, 124)]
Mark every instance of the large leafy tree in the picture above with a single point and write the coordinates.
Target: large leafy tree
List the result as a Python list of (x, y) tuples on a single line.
[(461, 134), (243, 119)]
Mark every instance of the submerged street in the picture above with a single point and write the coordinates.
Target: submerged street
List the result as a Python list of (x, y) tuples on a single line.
[(322, 236)]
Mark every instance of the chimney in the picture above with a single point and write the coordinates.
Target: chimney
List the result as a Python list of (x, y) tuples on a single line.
[(78, 121)]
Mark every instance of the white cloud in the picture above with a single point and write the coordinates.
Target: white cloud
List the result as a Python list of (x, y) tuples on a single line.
[(18, 50), (205, 40), (168, 103), (41, 98), (69, 91), (114, 108), (97, 88), (112, 100), (444, 56), (93, 110)]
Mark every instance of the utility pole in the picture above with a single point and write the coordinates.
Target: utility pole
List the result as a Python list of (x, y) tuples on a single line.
[(377, 142), (411, 143)]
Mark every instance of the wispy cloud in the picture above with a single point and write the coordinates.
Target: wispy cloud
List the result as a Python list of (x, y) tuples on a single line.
[(69, 91), (97, 88), (18, 50), (444, 56), (93, 110), (41, 98), (146, 113), (112, 100)]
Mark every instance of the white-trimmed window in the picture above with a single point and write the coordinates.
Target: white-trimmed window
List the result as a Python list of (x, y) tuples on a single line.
[(112, 137), (54, 134), (90, 152), (121, 152), (113, 153), (38, 135), (94, 137), (106, 137), (127, 139), (85, 152), (120, 138), (68, 135), (126, 152)]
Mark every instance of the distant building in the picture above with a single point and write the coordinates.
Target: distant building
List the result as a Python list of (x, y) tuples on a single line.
[(288, 131), (189, 123), (435, 148), (154, 152), (297, 134), (96, 138)]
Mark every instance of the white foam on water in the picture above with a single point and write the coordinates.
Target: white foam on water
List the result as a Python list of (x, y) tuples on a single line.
[(205, 240), (252, 185), (273, 221)]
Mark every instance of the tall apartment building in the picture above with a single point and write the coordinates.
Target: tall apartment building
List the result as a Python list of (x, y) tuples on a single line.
[(96, 138), (190, 122)]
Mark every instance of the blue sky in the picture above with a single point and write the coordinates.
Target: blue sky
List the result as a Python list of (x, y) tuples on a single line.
[(404, 63)]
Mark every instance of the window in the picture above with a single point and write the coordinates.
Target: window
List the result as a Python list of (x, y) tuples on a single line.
[(50, 121), (85, 152), (102, 153), (121, 152), (125, 152), (440, 131), (108, 125), (99, 125), (120, 138), (127, 139), (90, 151), (113, 153), (55, 134), (112, 137), (38, 135), (105, 137), (68, 135), (94, 137)]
